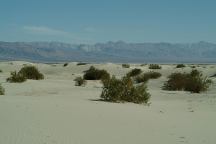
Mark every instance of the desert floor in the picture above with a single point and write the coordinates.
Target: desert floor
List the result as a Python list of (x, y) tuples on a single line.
[(54, 111)]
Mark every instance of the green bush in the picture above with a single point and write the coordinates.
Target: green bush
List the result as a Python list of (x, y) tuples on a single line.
[(154, 66), (125, 65), (123, 90), (31, 72), (146, 76), (0, 71), (79, 81), (214, 75), (134, 72), (95, 74), (180, 66), (143, 64), (193, 82), (2, 90), (81, 63), (16, 78), (65, 64)]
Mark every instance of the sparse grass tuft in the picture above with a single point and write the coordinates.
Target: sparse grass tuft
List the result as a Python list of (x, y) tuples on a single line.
[(154, 66)]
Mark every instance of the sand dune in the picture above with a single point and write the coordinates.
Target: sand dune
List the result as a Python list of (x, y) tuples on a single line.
[(54, 111)]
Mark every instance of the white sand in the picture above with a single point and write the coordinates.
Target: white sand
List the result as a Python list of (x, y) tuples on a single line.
[(54, 111)]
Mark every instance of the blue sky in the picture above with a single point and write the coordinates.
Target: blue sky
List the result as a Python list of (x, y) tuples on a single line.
[(91, 21)]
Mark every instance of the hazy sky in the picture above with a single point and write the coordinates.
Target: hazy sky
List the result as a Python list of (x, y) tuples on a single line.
[(90, 21)]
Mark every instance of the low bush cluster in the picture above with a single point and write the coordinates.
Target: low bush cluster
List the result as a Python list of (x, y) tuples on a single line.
[(79, 81), (31, 72), (214, 75), (2, 90), (125, 65), (154, 66), (180, 66), (134, 72), (146, 76), (27, 72), (81, 63), (193, 82), (123, 90), (16, 77), (65, 64), (95, 74), (0, 70)]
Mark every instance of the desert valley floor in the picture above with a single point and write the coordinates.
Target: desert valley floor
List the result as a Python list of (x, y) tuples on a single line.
[(55, 111)]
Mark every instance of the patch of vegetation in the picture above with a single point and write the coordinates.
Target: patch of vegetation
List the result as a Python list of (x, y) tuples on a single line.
[(79, 81), (193, 82), (143, 64), (154, 66), (214, 75), (31, 72), (134, 72), (2, 90), (95, 74), (123, 90), (81, 63), (193, 66), (125, 65), (180, 66), (146, 76), (1, 71), (65, 64), (16, 78)]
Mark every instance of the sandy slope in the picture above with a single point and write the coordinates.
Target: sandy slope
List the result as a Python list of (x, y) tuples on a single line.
[(54, 111)]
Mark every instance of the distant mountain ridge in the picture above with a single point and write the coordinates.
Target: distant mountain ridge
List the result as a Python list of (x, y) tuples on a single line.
[(119, 51)]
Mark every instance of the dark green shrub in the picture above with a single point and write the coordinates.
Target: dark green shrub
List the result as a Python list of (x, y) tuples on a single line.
[(143, 64), (193, 66), (154, 66), (79, 81), (16, 78), (146, 76), (31, 72), (141, 79), (2, 90), (214, 75), (0, 70), (177, 81), (81, 63), (180, 66), (125, 65), (65, 64), (193, 82), (116, 90), (152, 75), (95, 74), (134, 72)]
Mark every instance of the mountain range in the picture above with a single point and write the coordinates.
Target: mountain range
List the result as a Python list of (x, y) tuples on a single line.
[(200, 52)]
